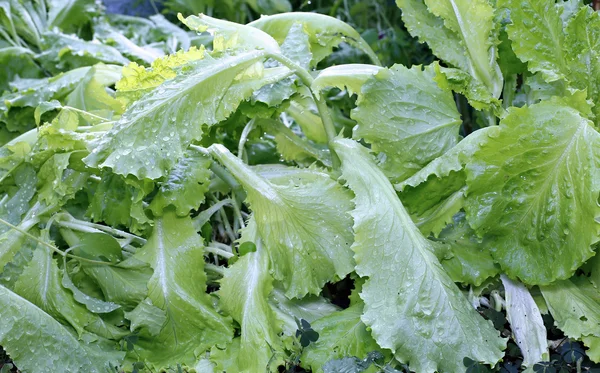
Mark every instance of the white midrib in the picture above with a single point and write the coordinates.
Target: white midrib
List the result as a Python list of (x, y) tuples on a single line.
[(161, 265)]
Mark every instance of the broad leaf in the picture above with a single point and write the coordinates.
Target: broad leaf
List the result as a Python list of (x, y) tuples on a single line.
[(537, 35), (40, 283), (155, 131), (172, 250), (575, 313), (533, 191), (37, 342), (406, 118), (306, 235), (351, 77), (407, 294)]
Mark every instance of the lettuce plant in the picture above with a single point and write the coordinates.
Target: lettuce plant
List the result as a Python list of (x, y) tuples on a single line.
[(197, 216)]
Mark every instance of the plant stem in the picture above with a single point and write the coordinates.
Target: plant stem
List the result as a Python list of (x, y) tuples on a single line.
[(217, 251), (324, 112)]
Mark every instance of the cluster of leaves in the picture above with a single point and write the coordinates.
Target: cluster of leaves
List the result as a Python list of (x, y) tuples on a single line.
[(189, 211)]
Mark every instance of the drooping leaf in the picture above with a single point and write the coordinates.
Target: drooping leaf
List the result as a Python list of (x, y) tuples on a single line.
[(350, 76), (244, 292), (40, 283), (22, 66), (306, 236), (174, 248), (37, 342), (525, 322), (532, 191), (70, 15), (407, 293), (406, 118), (324, 32), (575, 313), (66, 52), (156, 130)]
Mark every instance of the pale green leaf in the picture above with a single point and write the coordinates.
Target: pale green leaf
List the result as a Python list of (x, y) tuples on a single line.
[(351, 77), (324, 33), (156, 130), (537, 35), (40, 283), (147, 316), (184, 186), (178, 286), (341, 334), (473, 22), (22, 65), (461, 32), (407, 119), (407, 294), (244, 292), (70, 15), (525, 322), (471, 263), (36, 342), (229, 34), (583, 42), (533, 190), (294, 148), (300, 218), (574, 312)]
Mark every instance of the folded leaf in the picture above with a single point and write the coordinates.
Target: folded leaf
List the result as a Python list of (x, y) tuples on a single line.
[(533, 190), (306, 235), (324, 32), (525, 322), (411, 305)]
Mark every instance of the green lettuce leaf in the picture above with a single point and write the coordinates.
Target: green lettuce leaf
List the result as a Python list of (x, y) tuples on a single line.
[(155, 131), (341, 334), (575, 312), (406, 118), (324, 33), (37, 342), (184, 186), (471, 263), (40, 283), (408, 296), (461, 32), (244, 293), (306, 235), (533, 190), (175, 249), (537, 35)]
